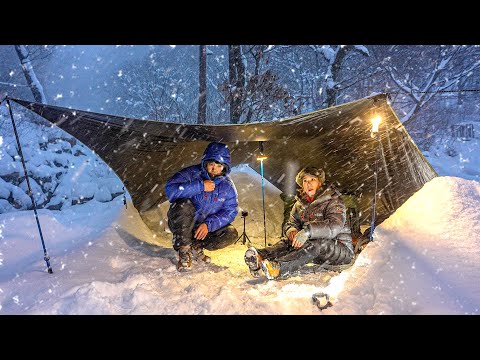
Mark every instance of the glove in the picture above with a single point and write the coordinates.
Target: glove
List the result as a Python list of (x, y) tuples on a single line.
[(302, 236), (292, 234)]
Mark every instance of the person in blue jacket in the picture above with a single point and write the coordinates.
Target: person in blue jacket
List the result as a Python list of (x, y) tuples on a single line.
[(204, 202)]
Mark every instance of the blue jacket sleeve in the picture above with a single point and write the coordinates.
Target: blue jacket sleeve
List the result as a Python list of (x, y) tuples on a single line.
[(182, 185), (226, 214)]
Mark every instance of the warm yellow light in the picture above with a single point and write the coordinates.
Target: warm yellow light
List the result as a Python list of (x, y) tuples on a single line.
[(262, 157), (375, 123)]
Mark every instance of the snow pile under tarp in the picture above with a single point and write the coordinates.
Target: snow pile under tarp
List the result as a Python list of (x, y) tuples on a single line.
[(107, 261), (425, 258)]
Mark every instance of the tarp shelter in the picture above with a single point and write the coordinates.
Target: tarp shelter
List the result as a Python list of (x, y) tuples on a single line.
[(145, 154)]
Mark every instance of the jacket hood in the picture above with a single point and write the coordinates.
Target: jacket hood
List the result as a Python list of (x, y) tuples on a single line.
[(217, 152), (310, 170)]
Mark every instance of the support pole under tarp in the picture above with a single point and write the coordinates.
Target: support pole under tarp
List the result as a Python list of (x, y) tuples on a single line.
[(263, 203), (372, 225), (30, 192)]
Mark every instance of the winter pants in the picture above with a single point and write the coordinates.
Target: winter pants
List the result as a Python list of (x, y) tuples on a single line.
[(181, 221), (318, 251)]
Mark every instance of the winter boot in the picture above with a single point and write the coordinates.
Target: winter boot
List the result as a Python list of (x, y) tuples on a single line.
[(253, 259), (198, 255), (271, 269), (184, 258)]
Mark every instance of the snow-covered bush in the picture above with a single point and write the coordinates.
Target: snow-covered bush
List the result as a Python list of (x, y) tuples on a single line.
[(62, 172)]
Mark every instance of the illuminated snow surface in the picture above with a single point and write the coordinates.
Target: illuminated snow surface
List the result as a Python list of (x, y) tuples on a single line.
[(424, 260)]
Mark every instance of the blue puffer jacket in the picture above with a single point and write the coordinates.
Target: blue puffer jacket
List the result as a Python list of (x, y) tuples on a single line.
[(217, 208)]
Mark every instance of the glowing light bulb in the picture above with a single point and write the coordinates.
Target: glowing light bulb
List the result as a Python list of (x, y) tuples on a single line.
[(375, 123)]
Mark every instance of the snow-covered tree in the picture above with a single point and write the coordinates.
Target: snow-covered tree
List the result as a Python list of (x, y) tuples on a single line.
[(335, 57), (236, 82), (423, 72), (36, 87), (14, 73), (253, 90), (202, 85), (158, 87)]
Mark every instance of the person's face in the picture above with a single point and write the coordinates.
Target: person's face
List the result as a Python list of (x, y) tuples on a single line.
[(214, 168), (311, 184)]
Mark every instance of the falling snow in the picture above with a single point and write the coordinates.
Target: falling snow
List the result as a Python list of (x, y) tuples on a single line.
[(424, 258), (134, 271)]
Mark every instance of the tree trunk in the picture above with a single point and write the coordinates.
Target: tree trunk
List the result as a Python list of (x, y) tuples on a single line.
[(411, 116), (237, 82), (461, 105), (331, 92), (258, 58), (202, 79), (30, 76)]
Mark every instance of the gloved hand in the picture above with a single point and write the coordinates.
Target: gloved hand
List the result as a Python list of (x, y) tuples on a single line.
[(292, 234), (300, 239)]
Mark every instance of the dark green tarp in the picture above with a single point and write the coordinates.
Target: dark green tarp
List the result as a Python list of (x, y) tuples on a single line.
[(144, 154)]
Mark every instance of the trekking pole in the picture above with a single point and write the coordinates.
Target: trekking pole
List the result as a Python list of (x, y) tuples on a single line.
[(30, 192)]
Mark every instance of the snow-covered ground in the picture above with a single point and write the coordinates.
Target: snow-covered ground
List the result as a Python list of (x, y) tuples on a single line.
[(464, 163), (424, 260)]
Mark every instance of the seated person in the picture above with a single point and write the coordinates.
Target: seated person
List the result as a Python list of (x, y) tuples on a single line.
[(315, 232)]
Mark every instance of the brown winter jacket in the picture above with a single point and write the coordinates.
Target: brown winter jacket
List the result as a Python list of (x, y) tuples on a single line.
[(325, 217)]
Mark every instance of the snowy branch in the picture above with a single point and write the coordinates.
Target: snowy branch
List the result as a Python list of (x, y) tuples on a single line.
[(30, 76)]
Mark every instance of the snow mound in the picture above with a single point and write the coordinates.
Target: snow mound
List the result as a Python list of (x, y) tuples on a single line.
[(107, 261), (425, 258)]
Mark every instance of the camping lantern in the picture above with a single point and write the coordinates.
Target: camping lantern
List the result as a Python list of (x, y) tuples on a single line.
[(375, 123)]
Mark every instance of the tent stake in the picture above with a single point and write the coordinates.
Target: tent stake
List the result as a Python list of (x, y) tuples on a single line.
[(30, 192)]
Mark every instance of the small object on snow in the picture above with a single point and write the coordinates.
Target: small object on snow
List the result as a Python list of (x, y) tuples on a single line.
[(322, 300)]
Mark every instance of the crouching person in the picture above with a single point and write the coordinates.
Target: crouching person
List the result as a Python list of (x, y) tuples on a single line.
[(203, 205), (315, 232)]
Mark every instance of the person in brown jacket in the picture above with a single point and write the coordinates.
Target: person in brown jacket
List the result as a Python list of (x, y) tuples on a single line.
[(315, 232)]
